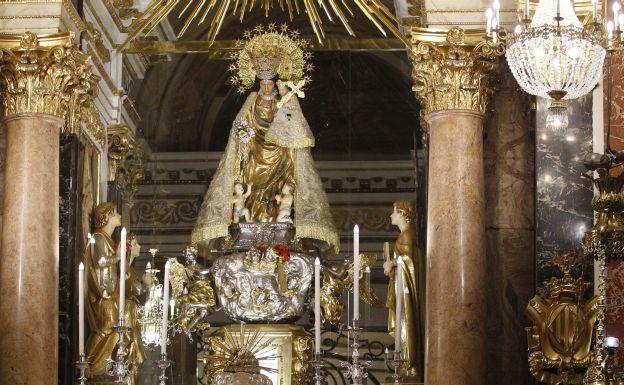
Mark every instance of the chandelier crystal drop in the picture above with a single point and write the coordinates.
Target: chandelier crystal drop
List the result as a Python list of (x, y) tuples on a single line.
[(555, 57)]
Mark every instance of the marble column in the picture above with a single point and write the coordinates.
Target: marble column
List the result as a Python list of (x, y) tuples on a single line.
[(48, 82), (30, 242), (454, 79)]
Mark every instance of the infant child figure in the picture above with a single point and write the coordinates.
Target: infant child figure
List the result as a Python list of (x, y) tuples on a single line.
[(238, 201), (285, 202)]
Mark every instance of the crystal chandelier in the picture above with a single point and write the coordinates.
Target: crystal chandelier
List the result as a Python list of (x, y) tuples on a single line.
[(150, 314), (553, 56)]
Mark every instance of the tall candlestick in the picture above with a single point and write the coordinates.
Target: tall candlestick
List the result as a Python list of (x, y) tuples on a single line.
[(399, 303), (317, 305), (81, 309), (163, 328), (122, 276), (526, 9), (356, 272)]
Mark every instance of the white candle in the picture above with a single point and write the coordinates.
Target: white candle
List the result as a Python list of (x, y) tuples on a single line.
[(399, 303), (317, 305), (122, 276), (163, 328), (496, 7), (81, 309), (526, 9), (488, 19), (609, 30), (356, 273), (595, 9), (172, 307), (616, 11)]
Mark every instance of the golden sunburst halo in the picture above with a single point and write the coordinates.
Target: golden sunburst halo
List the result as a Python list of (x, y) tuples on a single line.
[(240, 352), (266, 52)]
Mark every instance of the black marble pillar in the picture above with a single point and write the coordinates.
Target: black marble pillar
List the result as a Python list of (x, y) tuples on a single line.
[(69, 225), (563, 197)]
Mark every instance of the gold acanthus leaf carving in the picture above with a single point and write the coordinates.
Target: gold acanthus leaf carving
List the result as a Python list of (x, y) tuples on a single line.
[(44, 77), (454, 75)]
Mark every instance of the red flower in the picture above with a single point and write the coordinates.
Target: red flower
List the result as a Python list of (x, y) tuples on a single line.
[(282, 249)]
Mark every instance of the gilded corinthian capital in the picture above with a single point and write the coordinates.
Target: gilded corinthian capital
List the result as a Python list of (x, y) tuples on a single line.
[(47, 75), (453, 70)]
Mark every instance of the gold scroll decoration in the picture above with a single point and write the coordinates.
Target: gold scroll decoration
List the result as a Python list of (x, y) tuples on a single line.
[(454, 70), (48, 75), (126, 164)]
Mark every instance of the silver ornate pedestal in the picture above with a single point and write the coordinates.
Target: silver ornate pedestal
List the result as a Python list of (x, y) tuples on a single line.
[(248, 289)]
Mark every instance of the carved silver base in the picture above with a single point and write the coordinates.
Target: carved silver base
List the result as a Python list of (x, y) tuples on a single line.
[(244, 236), (248, 288)]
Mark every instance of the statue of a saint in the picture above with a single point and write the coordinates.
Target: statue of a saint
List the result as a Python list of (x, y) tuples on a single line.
[(406, 246), (102, 295), (268, 150)]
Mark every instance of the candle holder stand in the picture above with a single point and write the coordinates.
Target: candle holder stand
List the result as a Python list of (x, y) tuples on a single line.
[(356, 369), (163, 364), (82, 365), (118, 367), (319, 364), (396, 364)]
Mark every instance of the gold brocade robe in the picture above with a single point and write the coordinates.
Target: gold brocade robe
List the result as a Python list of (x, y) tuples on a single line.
[(101, 306), (406, 246), (269, 166), (279, 151)]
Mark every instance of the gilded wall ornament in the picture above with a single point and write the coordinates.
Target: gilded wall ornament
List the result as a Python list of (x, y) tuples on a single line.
[(126, 163), (560, 342), (48, 75), (454, 73)]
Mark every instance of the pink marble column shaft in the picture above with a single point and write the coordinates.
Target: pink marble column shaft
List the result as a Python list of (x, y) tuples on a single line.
[(456, 267), (29, 257)]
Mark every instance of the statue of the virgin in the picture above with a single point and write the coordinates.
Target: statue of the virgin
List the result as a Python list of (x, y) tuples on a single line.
[(267, 173)]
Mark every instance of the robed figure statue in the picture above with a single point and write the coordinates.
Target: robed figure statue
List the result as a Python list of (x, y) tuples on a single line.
[(406, 246), (268, 152), (102, 297)]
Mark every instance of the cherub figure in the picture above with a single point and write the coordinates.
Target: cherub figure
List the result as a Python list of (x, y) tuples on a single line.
[(285, 201), (240, 196)]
